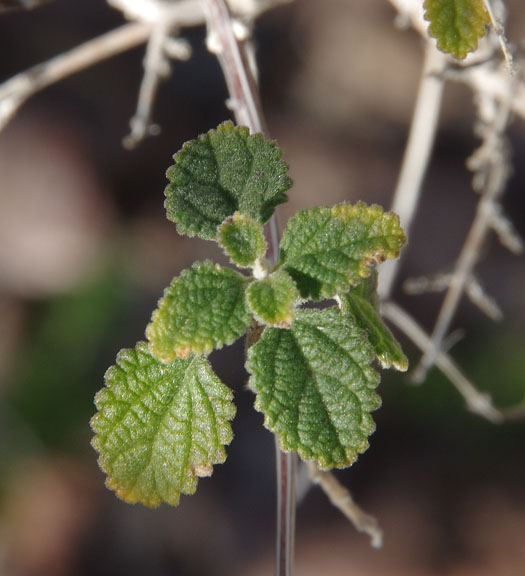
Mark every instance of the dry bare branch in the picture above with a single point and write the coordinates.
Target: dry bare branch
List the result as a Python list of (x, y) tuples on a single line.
[(156, 67), (477, 295), (426, 284), (496, 12), (504, 228), (417, 153), (492, 162), (477, 402), (15, 91), (341, 498)]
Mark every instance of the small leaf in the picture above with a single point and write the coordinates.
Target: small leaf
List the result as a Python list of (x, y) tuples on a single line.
[(242, 239), (203, 309), (160, 426), (457, 24), (224, 171), (360, 303), (325, 250), (315, 385), (273, 299)]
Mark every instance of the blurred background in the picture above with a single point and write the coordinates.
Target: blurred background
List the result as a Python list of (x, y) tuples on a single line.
[(86, 250)]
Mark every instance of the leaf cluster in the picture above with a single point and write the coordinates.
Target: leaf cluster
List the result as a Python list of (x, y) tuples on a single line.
[(164, 417)]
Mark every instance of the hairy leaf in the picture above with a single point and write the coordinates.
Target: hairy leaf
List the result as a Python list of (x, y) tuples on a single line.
[(160, 426), (457, 24), (315, 386), (273, 299), (224, 171), (203, 309), (242, 239), (326, 250), (360, 303)]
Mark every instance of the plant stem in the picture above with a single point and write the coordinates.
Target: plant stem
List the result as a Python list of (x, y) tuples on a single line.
[(417, 153), (246, 106), (286, 464)]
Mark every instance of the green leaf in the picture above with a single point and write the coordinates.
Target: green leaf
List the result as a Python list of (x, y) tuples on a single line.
[(242, 239), (224, 171), (315, 385), (360, 303), (326, 250), (203, 309), (273, 299), (160, 426), (457, 24)]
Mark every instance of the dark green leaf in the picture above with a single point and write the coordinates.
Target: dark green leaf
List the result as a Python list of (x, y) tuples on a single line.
[(203, 309), (224, 171), (315, 386), (360, 304)]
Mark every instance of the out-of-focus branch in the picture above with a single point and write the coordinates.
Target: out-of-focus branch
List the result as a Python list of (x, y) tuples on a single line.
[(499, 30), (477, 402), (153, 19), (492, 167), (156, 67), (15, 91), (417, 153), (499, 93), (441, 282), (341, 498)]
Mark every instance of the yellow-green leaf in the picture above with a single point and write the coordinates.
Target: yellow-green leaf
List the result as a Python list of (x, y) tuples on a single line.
[(273, 299), (457, 24), (203, 309), (160, 426), (327, 250), (242, 239)]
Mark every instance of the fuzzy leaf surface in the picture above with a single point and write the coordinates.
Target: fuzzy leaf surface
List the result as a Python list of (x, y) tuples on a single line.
[(221, 172), (242, 239), (273, 299), (360, 303), (326, 250), (160, 426), (202, 309), (457, 24), (315, 386)]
